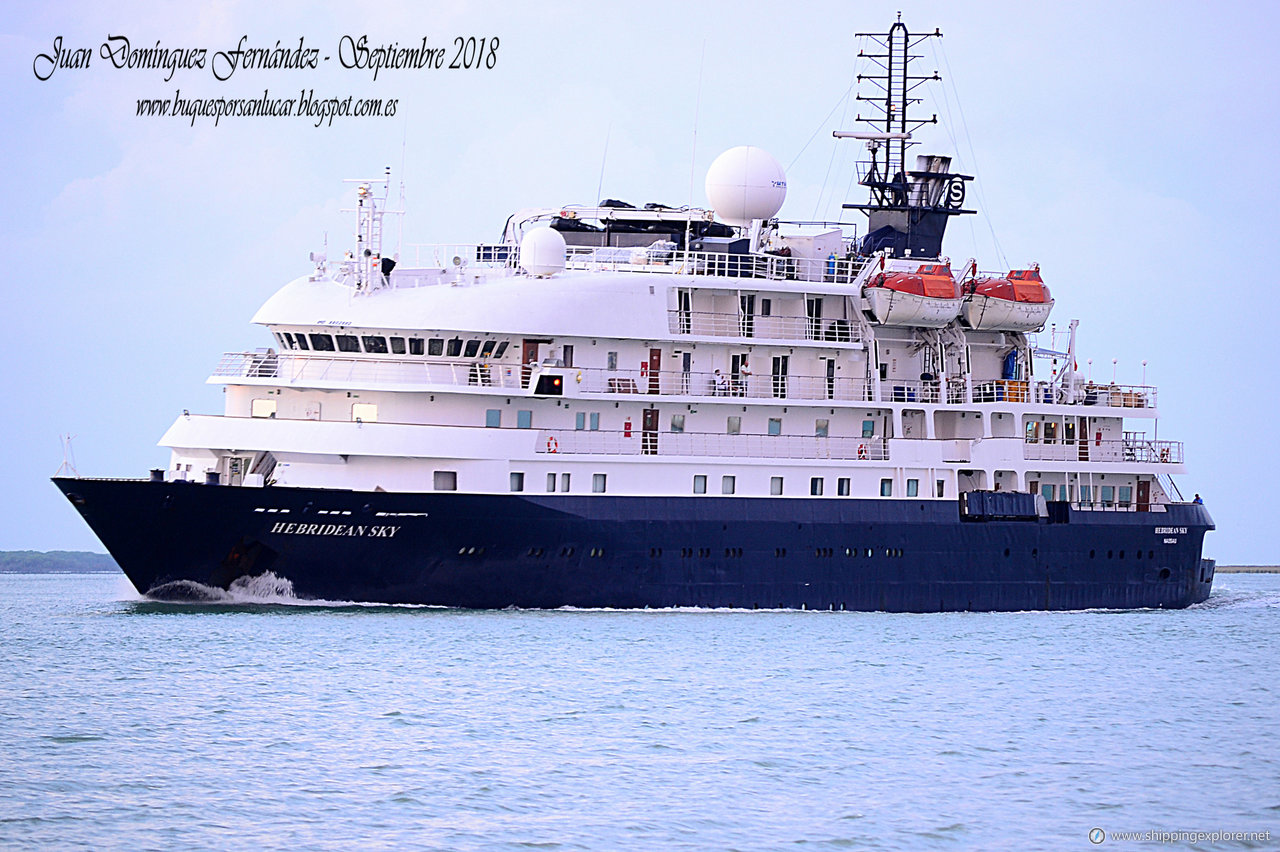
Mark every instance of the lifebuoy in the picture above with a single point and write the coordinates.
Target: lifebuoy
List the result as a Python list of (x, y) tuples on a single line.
[(862, 451), (553, 446)]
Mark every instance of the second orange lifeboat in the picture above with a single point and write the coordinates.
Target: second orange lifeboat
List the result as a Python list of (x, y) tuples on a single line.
[(1018, 302)]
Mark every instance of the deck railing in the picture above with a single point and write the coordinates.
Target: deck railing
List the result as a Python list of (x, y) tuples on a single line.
[(736, 324), (654, 258), (654, 442), (1089, 449), (292, 367), (702, 384)]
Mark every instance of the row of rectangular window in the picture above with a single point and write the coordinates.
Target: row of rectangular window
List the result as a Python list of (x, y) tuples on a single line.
[(447, 480), (376, 344), (599, 482), (1106, 493)]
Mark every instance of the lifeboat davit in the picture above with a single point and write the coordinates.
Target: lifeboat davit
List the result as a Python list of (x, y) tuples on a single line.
[(929, 297), (1017, 302)]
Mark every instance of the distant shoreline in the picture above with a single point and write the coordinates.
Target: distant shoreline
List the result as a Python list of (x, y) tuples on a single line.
[(1247, 569), (56, 562)]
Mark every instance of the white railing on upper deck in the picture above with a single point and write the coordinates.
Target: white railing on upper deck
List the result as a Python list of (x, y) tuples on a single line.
[(1009, 390), (720, 445), (680, 383), (1133, 449), (381, 371), (653, 258), (735, 324), (322, 367), (672, 261)]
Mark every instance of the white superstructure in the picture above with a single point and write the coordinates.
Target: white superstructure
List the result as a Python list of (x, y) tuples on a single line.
[(748, 364)]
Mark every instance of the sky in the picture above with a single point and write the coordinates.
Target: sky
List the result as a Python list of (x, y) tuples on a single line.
[(1121, 146)]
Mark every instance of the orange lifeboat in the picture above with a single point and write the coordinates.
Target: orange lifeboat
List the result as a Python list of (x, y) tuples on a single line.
[(1018, 302), (926, 297)]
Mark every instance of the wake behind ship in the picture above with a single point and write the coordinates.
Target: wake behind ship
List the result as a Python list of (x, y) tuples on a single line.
[(620, 406)]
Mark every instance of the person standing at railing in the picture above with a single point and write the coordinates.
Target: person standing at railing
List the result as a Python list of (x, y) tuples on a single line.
[(1198, 501), (721, 384)]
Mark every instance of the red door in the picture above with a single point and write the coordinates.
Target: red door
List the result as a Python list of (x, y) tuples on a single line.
[(649, 432), (655, 364), (528, 357), (1144, 495)]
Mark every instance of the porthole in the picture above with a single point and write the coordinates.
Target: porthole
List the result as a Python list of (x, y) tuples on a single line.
[(1006, 551), (1092, 553), (1164, 573)]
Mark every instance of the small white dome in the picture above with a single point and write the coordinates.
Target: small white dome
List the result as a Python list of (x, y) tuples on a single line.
[(744, 184), (542, 252)]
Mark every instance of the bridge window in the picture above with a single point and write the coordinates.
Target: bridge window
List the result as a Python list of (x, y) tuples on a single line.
[(416, 345), (375, 345), (435, 346), (473, 347), (455, 347), (397, 346), (488, 348), (347, 343), (301, 340), (322, 342), (502, 348)]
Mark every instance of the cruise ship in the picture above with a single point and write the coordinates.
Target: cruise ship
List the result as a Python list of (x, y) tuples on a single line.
[(645, 406)]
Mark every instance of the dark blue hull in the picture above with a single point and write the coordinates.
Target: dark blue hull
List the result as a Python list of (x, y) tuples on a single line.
[(494, 551)]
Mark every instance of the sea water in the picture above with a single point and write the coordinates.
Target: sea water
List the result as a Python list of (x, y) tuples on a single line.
[(263, 722)]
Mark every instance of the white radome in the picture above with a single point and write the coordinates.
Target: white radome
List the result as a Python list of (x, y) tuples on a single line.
[(542, 252), (746, 184)]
